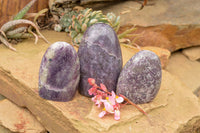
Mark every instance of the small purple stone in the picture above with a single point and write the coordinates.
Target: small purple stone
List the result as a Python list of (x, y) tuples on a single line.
[(59, 72), (140, 78), (100, 57)]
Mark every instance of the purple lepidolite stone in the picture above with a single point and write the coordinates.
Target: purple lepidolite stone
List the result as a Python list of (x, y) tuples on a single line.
[(59, 72), (140, 78), (100, 57)]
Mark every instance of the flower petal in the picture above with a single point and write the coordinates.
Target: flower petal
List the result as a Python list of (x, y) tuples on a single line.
[(112, 98), (94, 99), (103, 87), (109, 108), (117, 115), (91, 81), (113, 94), (92, 91), (102, 114), (119, 99)]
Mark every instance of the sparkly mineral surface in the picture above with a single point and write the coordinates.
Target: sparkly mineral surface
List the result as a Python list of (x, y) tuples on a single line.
[(140, 78), (59, 72), (100, 57)]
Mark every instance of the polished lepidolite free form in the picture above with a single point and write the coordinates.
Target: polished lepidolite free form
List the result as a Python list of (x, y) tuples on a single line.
[(140, 78), (59, 72), (100, 57)]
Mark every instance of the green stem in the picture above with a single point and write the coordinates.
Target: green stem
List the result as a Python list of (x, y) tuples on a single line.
[(21, 14), (39, 13), (18, 30), (12, 23), (20, 35), (122, 35)]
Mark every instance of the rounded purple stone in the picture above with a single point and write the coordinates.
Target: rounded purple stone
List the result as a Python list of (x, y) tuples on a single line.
[(100, 57), (59, 72), (140, 78)]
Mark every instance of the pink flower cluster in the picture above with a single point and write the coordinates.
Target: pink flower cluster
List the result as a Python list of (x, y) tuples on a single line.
[(102, 97), (110, 101)]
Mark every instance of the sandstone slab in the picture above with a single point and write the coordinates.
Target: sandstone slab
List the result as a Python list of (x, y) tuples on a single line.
[(186, 70), (192, 53), (2, 97), (165, 23), (174, 106), (163, 54), (18, 119), (4, 130)]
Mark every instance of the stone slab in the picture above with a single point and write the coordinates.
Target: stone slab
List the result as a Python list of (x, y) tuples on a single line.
[(163, 23), (18, 119), (170, 110), (157, 12), (4, 130), (186, 70), (192, 53), (2, 97)]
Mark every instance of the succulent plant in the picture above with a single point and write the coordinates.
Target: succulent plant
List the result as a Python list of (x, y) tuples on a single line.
[(10, 30), (65, 21), (77, 22)]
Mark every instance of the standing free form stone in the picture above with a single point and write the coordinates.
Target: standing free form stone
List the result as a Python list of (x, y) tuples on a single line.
[(59, 72), (100, 57), (140, 78)]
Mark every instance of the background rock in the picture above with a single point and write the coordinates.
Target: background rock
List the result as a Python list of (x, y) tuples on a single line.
[(192, 53), (186, 70), (163, 54), (165, 23)]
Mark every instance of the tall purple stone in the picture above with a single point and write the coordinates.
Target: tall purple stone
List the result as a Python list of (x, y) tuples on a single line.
[(140, 78), (59, 72), (100, 57)]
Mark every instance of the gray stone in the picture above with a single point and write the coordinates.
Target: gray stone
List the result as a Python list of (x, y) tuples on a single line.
[(100, 57), (59, 72), (140, 79)]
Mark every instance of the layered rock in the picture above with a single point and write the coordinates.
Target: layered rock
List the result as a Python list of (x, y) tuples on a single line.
[(167, 24), (18, 119), (174, 108)]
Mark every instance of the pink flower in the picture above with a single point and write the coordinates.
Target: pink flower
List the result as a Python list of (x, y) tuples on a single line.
[(119, 99), (102, 114), (111, 98), (109, 108), (117, 114), (91, 81), (93, 90), (103, 87), (98, 100)]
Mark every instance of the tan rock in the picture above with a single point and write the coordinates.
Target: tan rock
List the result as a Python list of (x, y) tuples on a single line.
[(186, 70), (166, 24), (192, 53), (1, 97), (163, 54), (4, 130), (18, 119), (174, 106)]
